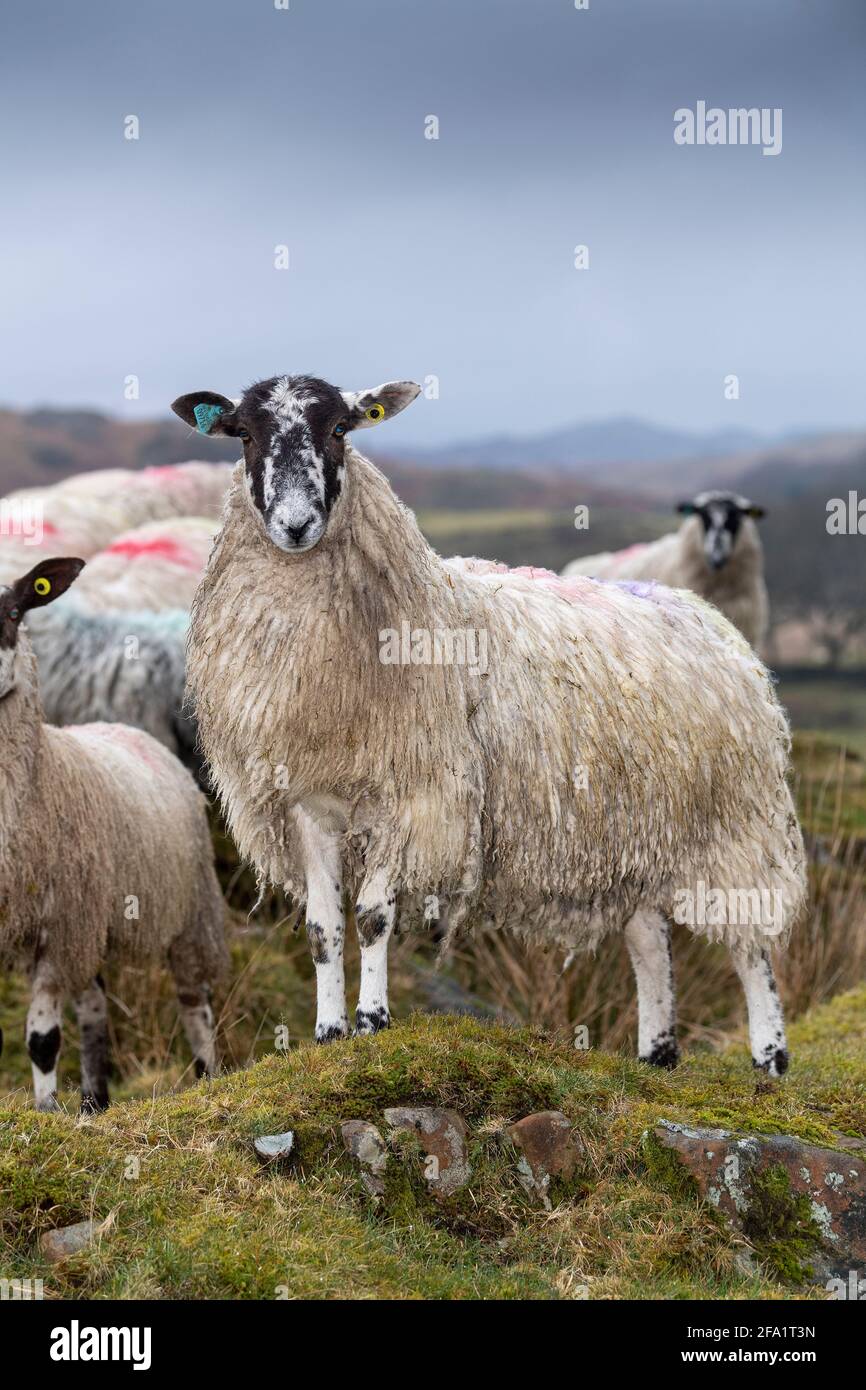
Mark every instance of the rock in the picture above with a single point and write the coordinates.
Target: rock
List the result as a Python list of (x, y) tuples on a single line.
[(725, 1167), (272, 1147), (549, 1148), (443, 1138), (364, 1142), (59, 1244)]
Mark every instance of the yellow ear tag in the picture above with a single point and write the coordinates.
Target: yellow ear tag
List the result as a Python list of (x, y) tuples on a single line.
[(42, 586), (375, 412)]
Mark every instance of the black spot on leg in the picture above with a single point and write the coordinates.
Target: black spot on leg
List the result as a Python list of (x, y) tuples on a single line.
[(372, 925), (372, 1021), (43, 1049), (316, 938)]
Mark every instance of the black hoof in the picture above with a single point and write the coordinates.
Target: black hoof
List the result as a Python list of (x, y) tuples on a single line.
[(93, 1102), (663, 1053), (774, 1065), (374, 1022), (334, 1032)]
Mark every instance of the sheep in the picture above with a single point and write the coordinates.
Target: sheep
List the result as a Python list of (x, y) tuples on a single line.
[(127, 668), (125, 498), (105, 853), (157, 492), (602, 756), (716, 553), (152, 567)]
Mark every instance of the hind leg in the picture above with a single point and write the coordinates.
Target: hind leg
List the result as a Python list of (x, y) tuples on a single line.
[(193, 997), (44, 1034), (766, 1020), (648, 938), (91, 1010)]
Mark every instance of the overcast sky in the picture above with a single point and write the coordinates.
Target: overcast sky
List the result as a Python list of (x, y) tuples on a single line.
[(452, 257)]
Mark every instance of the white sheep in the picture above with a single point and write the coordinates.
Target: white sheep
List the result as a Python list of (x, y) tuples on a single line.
[(112, 500), (151, 568), (561, 758), (716, 553), (119, 667), (105, 854)]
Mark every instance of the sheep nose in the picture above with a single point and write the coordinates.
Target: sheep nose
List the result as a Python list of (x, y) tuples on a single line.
[(297, 533)]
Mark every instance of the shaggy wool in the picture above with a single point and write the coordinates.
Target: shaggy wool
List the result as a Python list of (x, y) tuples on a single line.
[(623, 744)]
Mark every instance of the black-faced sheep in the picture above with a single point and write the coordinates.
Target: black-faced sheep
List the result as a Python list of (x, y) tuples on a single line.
[(716, 553), (561, 758), (105, 854)]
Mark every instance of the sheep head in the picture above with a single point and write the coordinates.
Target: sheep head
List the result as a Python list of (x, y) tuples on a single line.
[(293, 430)]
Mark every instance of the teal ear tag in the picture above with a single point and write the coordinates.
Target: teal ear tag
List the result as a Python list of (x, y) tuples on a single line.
[(206, 416)]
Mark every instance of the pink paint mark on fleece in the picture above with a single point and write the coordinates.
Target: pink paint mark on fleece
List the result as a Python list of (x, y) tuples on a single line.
[(135, 741), (160, 473), (162, 546)]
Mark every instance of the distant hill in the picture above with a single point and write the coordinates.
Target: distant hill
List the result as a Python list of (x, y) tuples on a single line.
[(604, 461), (624, 439)]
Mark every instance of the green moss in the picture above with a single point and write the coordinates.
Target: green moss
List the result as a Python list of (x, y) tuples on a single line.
[(780, 1225)]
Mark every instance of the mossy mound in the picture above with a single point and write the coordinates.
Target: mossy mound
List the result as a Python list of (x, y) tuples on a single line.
[(195, 1215)]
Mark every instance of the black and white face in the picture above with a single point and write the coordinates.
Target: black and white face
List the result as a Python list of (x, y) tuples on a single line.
[(293, 430), (41, 585), (721, 515)]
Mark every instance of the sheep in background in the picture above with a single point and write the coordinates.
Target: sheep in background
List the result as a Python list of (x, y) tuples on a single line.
[(105, 853), (157, 492), (125, 498), (570, 782), (39, 522), (125, 668), (153, 567), (716, 553)]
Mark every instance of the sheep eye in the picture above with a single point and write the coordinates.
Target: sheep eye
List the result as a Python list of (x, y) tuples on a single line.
[(339, 431), (243, 434), (14, 614)]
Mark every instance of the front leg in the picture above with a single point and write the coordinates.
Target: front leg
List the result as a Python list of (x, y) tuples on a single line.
[(44, 1034), (375, 912), (326, 925)]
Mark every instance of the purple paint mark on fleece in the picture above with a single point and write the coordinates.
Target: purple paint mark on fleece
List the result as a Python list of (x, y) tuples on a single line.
[(639, 587)]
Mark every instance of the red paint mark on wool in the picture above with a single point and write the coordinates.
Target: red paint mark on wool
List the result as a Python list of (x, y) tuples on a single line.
[(162, 546)]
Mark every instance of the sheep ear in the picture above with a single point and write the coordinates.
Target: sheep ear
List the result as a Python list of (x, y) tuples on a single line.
[(206, 411), (46, 582), (755, 512), (371, 407), (686, 508)]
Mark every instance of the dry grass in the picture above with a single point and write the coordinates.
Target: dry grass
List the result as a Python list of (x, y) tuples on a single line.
[(271, 985)]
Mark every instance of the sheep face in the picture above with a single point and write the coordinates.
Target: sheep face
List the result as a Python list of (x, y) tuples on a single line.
[(293, 430), (721, 514), (41, 585)]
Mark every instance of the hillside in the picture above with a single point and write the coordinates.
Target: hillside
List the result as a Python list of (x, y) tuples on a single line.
[(189, 1212)]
